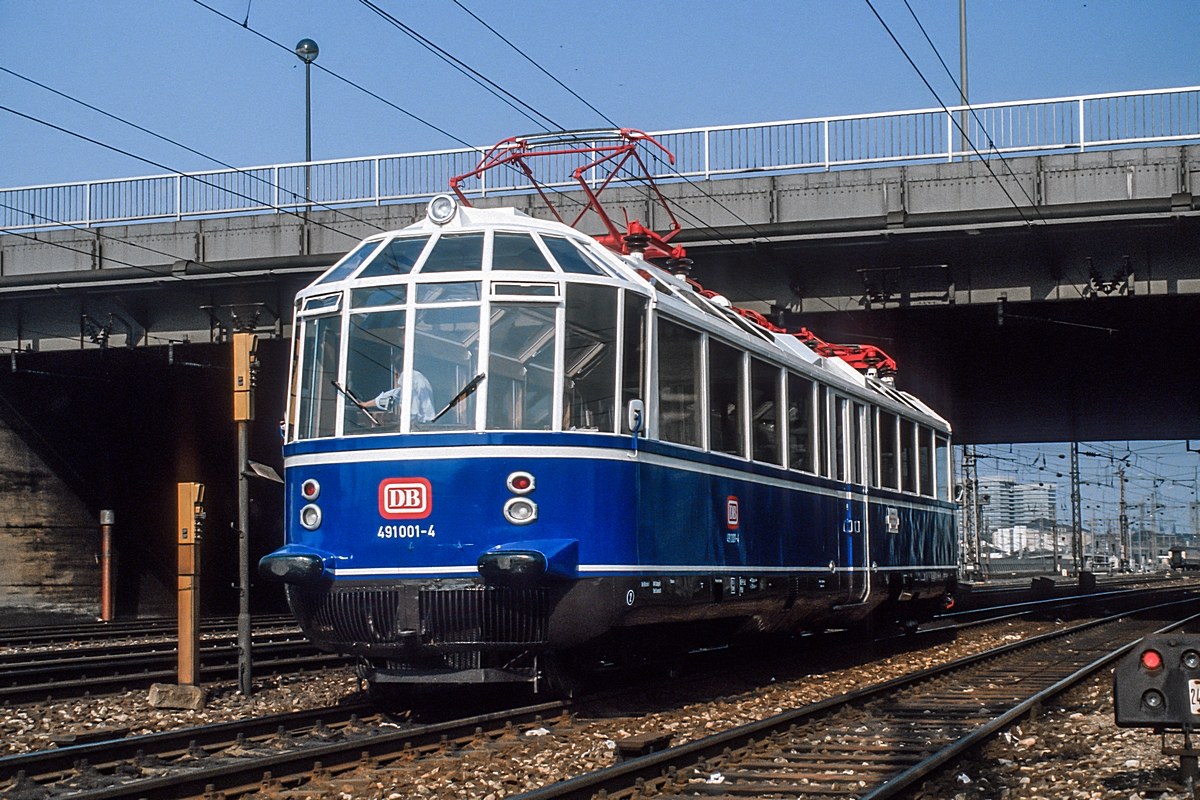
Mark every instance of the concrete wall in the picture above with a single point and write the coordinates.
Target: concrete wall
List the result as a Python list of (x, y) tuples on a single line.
[(49, 541)]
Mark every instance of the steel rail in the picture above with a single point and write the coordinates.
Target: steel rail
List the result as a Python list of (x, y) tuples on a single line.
[(625, 776), (45, 765), (153, 626), (249, 773)]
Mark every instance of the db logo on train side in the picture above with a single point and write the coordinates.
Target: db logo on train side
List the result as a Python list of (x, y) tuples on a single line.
[(731, 512), (405, 498)]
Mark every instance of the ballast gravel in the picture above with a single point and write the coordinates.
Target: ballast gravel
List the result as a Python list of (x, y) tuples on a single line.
[(1072, 751)]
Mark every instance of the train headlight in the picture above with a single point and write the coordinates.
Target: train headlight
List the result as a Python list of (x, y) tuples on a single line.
[(310, 490), (442, 208), (520, 511), (310, 517), (521, 483)]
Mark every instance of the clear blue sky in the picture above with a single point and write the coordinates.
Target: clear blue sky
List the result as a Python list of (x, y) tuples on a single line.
[(178, 69)]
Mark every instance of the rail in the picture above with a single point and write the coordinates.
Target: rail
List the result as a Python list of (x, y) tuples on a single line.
[(1063, 124)]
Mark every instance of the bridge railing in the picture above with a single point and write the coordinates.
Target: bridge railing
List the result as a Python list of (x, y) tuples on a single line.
[(985, 130)]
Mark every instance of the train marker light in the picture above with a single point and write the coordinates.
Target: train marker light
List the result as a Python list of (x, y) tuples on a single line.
[(310, 490), (310, 517), (1151, 660), (520, 511), (521, 483)]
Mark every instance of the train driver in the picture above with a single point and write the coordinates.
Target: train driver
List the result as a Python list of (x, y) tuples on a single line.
[(422, 398)]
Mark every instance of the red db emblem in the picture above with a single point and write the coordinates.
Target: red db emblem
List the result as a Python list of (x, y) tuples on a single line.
[(731, 512), (405, 498)]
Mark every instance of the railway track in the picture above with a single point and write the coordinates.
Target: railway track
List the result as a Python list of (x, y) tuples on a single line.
[(151, 627), (886, 735), (98, 669)]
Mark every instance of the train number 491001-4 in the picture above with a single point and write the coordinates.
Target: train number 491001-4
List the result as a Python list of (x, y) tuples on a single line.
[(403, 532)]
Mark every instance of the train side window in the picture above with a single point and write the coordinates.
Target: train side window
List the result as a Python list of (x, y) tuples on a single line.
[(317, 413), (823, 431), (765, 402), (887, 451), (521, 367), (374, 368), (725, 399), (800, 414), (455, 253), (398, 258), (908, 457), (857, 437), (518, 251), (839, 438), (925, 460), (633, 355), (446, 354), (942, 465), (872, 446), (679, 386), (590, 357)]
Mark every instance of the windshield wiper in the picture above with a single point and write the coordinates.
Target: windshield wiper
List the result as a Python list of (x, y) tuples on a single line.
[(356, 402), (466, 391)]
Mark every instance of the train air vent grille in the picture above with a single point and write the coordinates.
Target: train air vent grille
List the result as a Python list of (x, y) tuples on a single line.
[(350, 615), (485, 615)]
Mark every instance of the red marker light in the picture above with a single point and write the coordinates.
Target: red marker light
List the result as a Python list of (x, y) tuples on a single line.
[(1151, 660), (520, 482)]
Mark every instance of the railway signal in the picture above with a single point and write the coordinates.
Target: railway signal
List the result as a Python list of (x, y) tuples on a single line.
[(1158, 686)]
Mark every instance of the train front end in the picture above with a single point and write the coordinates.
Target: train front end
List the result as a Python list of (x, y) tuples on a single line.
[(454, 447)]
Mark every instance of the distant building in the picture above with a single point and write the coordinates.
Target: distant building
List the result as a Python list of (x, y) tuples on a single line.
[(1011, 504)]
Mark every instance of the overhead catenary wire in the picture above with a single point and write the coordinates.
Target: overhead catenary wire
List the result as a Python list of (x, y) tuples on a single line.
[(115, 149), (246, 173), (510, 99)]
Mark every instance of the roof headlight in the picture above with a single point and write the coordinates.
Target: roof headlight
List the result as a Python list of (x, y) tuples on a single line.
[(442, 209)]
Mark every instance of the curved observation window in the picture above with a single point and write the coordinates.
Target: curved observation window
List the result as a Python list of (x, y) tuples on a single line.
[(446, 357), (521, 367), (518, 251), (397, 258), (350, 262), (455, 253), (569, 257), (374, 372), (317, 412)]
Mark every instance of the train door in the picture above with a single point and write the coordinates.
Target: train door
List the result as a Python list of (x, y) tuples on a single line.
[(850, 469)]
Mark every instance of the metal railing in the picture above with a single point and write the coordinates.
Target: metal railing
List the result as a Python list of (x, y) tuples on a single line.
[(1065, 124)]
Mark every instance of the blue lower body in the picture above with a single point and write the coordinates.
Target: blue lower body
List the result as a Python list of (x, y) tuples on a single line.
[(661, 539)]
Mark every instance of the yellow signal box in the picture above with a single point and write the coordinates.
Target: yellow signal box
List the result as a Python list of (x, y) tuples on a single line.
[(245, 367)]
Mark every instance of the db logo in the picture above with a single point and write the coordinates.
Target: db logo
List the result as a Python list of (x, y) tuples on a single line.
[(405, 498), (731, 512)]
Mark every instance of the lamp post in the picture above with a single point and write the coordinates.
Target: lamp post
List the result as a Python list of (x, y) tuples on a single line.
[(307, 50)]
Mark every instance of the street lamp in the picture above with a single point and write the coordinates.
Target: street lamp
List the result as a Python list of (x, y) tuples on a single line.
[(307, 50)]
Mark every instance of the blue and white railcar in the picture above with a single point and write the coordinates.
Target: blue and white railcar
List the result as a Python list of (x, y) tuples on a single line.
[(508, 446)]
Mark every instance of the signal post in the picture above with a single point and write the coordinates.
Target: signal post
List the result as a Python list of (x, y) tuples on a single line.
[(190, 513), (245, 368)]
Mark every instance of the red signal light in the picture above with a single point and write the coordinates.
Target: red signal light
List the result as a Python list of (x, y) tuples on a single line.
[(1151, 659)]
